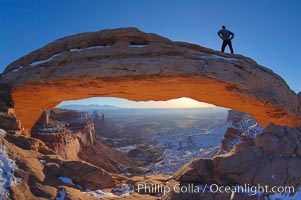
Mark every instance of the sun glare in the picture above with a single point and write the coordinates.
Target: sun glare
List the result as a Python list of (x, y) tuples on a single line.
[(185, 102)]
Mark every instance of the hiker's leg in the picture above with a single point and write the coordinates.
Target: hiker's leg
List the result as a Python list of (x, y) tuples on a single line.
[(224, 46), (230, 46)]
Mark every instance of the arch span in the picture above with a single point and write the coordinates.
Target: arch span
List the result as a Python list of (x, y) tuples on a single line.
[(128, 63)]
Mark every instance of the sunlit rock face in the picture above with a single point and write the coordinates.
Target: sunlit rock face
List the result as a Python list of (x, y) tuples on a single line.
[(66, 132), (131, 64), (71, 135)]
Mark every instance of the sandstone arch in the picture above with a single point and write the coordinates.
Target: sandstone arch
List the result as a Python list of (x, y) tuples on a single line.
[(128, 63)]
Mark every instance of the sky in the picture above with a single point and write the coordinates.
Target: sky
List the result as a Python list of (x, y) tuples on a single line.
[(268, 31)]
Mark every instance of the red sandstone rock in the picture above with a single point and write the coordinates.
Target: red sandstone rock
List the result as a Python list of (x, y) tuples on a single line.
[(230, 136), (29, 143), (10, 123), (71, 135), (82, 173), (66, 132)]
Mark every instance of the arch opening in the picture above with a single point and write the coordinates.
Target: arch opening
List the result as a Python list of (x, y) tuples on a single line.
[(158, 136)]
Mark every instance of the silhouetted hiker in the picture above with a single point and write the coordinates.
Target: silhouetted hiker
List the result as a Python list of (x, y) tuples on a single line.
[(226, 36)]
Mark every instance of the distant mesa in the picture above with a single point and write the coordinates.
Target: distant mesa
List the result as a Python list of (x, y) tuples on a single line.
[(102, 127), (128, 63), (88, 107)]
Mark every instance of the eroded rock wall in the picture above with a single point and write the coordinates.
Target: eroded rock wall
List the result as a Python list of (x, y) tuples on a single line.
[(71, 135), (66, 132)]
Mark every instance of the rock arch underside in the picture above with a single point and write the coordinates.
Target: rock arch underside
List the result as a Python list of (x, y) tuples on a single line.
[(131, 64)]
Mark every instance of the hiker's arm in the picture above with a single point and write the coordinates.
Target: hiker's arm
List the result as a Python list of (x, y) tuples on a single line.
[(219, 35), (232, 36)]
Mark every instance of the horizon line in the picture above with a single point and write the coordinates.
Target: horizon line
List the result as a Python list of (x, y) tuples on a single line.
[(120, 107)]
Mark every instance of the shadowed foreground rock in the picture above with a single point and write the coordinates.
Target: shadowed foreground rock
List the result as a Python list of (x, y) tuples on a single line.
[(40, 179), (128, 63), (272, 158)]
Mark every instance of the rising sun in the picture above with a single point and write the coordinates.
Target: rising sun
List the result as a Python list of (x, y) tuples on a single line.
[(185, 102)]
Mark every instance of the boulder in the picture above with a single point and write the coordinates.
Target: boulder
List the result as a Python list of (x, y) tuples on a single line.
[(29, 143), (277, 140), (82, 173), (10, 123), (198, 170)]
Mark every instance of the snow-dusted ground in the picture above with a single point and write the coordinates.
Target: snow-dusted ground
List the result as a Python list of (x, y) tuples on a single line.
[(50, 131), (218, 57), (7, 168), (57, 55), (39, 62), (66, 180), (127, 149), (44, 61), (18, 68), (249, 128), (61, 195), (124, 190), (180, 146), (285, 196), (100, 194), (259, 195), (137, 46), (2, 132), (93, 47)]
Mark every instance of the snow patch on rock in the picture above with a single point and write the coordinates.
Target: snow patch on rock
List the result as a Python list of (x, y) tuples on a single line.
[(7, 168), (249, 127), (137, 46), (2, 132), (219, 57), (61, 195), (93, 47), (36, 63), (124, 190), (17, 69), (100, 194), (66, 180), (285, 196), (50, 131)]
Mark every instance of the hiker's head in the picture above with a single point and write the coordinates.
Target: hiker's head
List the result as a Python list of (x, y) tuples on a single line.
[(223, 27)]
